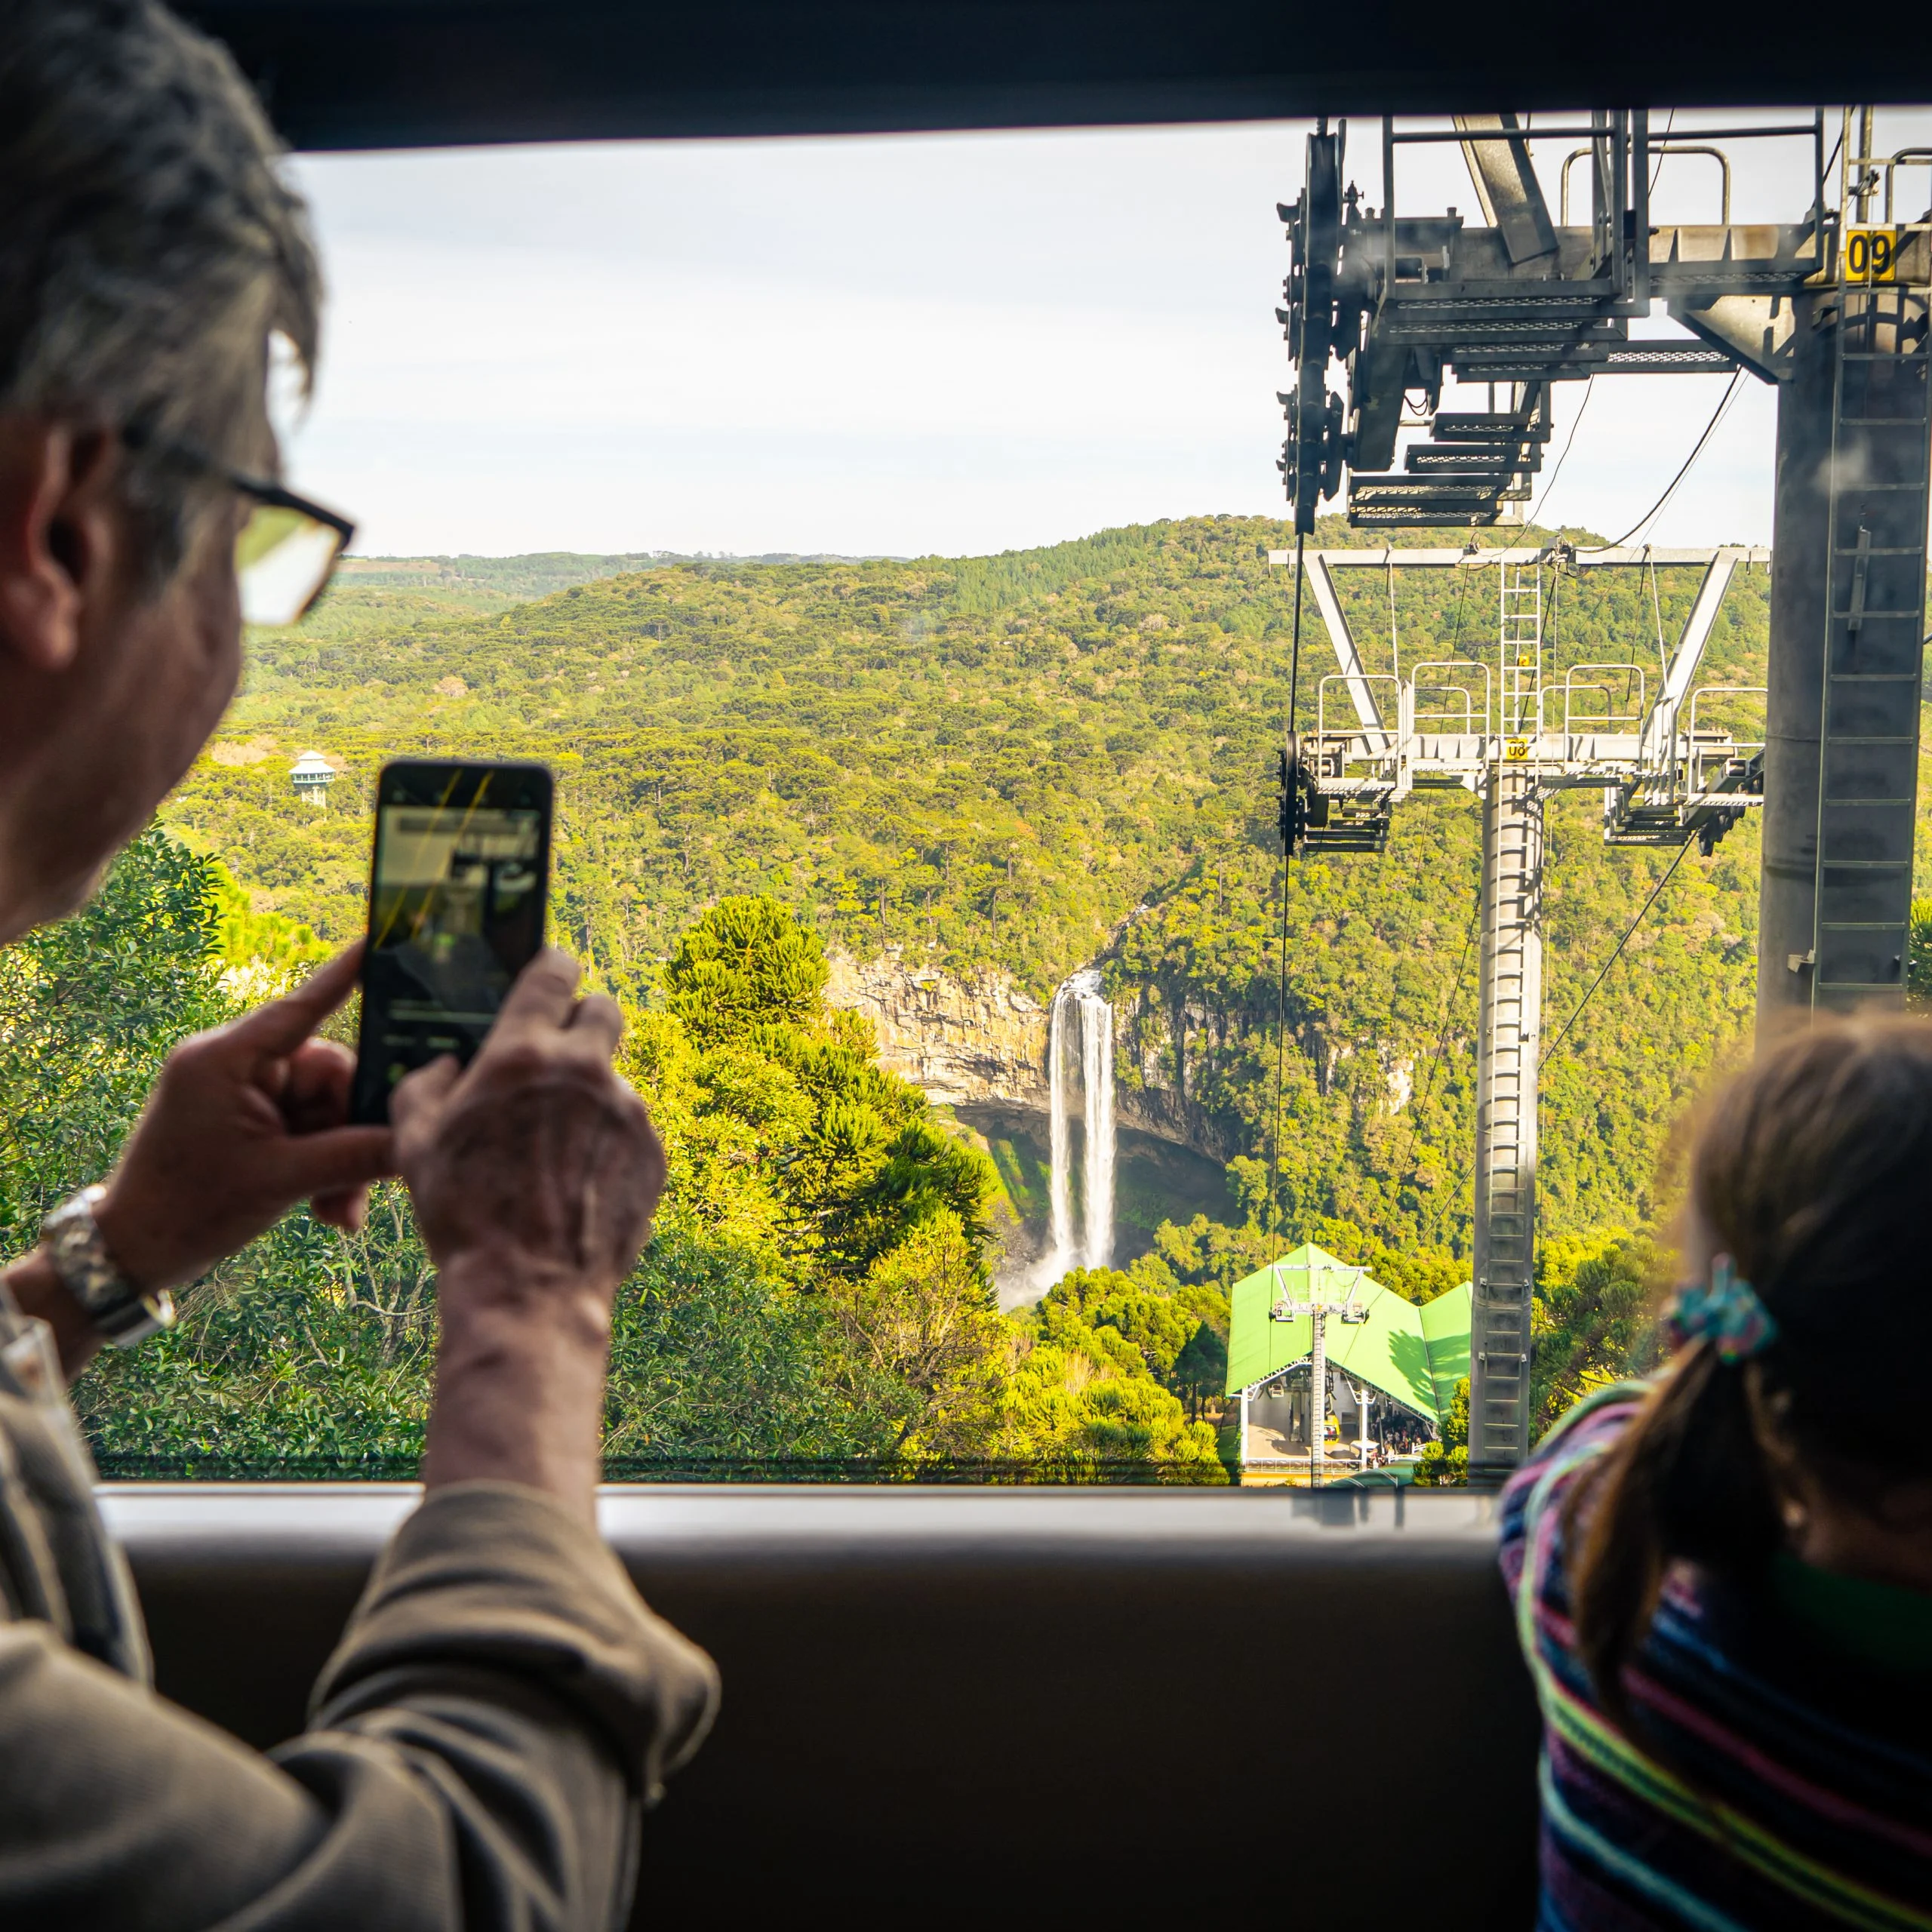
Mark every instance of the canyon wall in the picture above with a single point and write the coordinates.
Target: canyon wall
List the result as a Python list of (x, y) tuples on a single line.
[(979, 1039)]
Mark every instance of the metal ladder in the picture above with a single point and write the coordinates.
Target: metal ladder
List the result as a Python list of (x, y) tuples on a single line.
[(1509, 1049), (1874, 618), (1520, 631)]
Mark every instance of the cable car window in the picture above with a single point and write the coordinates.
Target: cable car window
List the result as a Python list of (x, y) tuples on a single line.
[(1139, 979)]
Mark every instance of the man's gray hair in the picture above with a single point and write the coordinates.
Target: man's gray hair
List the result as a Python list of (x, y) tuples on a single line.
[(149, 243)]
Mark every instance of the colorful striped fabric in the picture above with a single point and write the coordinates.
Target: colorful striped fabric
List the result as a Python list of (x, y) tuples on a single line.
[(1790, 1782)]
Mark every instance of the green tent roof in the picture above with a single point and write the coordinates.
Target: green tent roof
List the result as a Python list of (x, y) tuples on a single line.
[(1445, 1329), (1416, 1355)]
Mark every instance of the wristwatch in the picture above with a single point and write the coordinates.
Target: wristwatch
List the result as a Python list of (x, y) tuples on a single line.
[(122, 1313)]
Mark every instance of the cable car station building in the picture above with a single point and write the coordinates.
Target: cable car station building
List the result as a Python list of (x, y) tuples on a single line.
[(1391, 1368)]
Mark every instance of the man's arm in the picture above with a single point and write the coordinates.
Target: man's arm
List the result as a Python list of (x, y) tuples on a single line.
[(535, 1172), (500, 1705)]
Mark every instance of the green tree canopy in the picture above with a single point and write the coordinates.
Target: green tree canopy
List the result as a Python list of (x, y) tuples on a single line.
[(747, 963)]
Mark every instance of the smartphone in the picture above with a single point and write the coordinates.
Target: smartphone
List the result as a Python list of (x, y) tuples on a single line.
[(458, 885)]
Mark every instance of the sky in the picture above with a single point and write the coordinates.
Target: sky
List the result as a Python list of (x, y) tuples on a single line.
[(898, 345)]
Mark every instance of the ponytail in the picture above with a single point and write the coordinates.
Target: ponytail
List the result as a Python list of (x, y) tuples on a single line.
[(1686, 1482), (1807, 1192)]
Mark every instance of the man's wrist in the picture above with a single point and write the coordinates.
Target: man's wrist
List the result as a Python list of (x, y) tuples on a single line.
[(38, 1291), (123, 1232), (507, 1283), (520, 1366), (92, 1264)]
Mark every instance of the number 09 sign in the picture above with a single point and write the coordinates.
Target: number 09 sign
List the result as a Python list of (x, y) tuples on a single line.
[(1871, 254)]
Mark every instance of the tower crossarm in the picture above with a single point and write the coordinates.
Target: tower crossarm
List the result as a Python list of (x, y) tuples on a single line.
[(1670, 768), (1321, 586)]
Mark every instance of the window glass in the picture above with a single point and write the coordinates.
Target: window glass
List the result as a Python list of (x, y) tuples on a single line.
[(880, 539)]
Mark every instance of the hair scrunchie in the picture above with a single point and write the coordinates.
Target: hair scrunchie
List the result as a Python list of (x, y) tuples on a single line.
[(1724, 1311)]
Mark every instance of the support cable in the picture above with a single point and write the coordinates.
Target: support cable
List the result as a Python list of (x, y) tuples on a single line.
[(1290, 793), (1656, 169), (1395, 643), (1717, 416), (1657, 612), (1617, 952), (1576, 423), (1455, 1186), (1281, 1061)]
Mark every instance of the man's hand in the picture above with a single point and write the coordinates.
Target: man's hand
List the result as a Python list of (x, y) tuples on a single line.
[(245, 1122), (535, 1172), (537, 1153)]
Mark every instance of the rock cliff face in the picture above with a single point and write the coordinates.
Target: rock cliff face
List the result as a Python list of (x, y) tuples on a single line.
[(978, 1038), (1153, 1099), (981, 1039)]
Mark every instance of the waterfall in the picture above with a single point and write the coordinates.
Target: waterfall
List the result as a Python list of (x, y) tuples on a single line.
[(1080, 1014), (1097, 1080), (1059, 1258)]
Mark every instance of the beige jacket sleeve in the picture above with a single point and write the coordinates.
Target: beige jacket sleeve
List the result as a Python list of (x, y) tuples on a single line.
[(500, 1708)]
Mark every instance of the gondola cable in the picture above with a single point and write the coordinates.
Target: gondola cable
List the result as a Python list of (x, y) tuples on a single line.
[(1291, 795), (1617, 952), (1577, 1013), (1717, 416), (1576, 423)]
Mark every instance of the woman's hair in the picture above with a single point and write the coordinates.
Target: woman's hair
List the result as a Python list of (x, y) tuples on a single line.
[(148, 243), (1812, 1170)]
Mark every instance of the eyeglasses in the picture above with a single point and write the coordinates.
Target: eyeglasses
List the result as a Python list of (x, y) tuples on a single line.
[(288, 549)]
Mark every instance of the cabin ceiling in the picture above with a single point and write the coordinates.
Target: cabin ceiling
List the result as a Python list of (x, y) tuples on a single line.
[(360, 74)]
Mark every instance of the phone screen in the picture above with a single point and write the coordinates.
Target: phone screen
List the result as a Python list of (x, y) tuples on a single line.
[(456, 896)]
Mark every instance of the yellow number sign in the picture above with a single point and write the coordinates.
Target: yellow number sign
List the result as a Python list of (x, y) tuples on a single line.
[(1515, 748), (1871, 254)]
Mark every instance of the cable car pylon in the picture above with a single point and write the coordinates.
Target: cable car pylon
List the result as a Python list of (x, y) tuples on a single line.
[(1501, 722), (1834, 309)]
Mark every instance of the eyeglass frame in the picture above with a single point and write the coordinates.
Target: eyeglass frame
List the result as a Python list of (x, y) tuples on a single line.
[(191, 456)]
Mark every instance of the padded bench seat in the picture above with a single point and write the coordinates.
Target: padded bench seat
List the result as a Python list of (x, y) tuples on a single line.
[(991, 1705)]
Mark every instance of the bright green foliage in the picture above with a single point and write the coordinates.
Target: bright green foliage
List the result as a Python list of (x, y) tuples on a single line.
[(91, 1004), (1078, 1403), (747, 963), (927, 1342), (1592, 1320), (775, 1116), (309, 1353), (720, 1366), (1203, 1250), (1160, 1316), (1445, 1464), (1092, 1391), (261, 945)]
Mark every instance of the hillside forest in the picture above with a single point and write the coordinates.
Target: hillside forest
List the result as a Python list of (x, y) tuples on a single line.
[(1000, 768)]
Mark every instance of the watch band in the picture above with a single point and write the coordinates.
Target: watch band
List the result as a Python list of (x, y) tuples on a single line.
[(122, 1313)]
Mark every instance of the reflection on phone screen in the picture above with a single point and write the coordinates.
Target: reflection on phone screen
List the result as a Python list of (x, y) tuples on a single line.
[(458, 912)]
